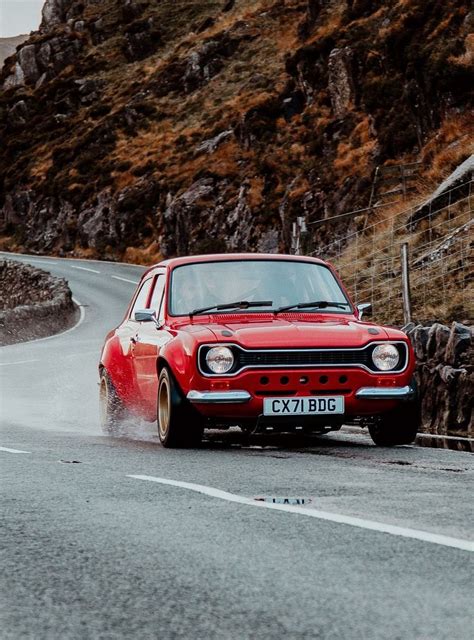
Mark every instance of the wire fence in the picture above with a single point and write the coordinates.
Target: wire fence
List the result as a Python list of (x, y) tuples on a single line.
[(440, 239)]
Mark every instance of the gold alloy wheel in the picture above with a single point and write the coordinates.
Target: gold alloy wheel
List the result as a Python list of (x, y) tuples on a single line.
[(104, 402), (164, 408)]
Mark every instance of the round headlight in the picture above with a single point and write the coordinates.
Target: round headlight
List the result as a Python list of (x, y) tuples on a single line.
[(385, 357), (220, 359)]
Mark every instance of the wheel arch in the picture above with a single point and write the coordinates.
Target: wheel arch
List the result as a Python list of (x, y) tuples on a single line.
[(118, 369), (160, 364), (178, 355)]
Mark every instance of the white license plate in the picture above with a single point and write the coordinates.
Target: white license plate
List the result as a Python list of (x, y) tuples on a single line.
[(304, 406)]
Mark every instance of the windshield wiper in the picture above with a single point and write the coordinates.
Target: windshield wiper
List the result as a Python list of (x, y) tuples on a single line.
[(318, 304), (242, 304)]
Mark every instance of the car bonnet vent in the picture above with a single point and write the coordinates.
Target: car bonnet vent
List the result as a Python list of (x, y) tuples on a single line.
[(237, 317), (304, 317)]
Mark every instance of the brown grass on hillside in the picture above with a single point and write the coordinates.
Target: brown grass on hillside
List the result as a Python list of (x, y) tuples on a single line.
[(367, 20), (254, 194), (123, 179), (355, 156), (451, 145), (144, 256), (466, 59), (331, 25), (443, 289), (42, 162)]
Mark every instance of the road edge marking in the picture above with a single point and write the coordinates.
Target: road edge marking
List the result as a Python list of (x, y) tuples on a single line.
[(13, 450), (11, 364), (372, 525), (421, 434), (41, 260), (84, 269), (125, 280)]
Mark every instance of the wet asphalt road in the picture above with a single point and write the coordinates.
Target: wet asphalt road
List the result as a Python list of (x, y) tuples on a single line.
[(90, 552)]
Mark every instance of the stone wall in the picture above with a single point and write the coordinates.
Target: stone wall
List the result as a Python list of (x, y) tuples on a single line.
[(33, 303), (445, 377)]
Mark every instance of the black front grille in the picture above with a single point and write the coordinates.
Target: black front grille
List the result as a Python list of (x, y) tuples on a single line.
[(303, 358)]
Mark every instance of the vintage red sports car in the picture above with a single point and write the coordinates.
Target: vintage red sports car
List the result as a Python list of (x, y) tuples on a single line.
[(266, 342)]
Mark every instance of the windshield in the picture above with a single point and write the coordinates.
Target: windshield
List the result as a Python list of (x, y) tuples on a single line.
[(206, 284)]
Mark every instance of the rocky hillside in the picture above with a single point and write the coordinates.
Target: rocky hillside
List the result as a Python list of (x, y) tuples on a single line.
[(138, 128), (8, 46)]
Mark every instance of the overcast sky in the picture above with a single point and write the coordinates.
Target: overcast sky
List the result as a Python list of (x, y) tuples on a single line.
[(19, 16)]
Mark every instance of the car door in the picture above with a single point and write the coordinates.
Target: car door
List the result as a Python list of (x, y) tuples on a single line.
[(126, 333), (148, 340)]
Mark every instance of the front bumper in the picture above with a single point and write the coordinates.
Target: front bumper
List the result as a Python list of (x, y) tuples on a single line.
[(240, 397), (386, 393), (218, 397)]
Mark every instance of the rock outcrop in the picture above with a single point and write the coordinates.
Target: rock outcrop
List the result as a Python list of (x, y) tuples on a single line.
[(53, 13), (8, 46), (33, 303), (40, 62), (445, 377), (341, 84)]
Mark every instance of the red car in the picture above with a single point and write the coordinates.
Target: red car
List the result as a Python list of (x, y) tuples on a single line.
[(266, 342)]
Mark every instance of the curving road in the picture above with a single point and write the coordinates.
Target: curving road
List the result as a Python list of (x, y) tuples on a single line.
[(119, 538)]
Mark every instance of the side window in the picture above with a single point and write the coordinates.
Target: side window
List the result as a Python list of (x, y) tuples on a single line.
[(157, 295), (142, 297)]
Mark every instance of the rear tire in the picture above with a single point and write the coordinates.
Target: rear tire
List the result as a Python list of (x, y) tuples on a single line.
[(398, 427), (179, 426), (112, 410)]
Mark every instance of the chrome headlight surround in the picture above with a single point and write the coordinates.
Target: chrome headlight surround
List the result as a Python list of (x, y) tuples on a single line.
[(386, 357), (219, 360)]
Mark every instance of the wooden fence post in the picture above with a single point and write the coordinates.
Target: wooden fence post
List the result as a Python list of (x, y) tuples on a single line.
[(406, 284)]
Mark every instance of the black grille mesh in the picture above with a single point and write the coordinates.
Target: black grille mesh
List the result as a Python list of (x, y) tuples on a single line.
[(302, 358)]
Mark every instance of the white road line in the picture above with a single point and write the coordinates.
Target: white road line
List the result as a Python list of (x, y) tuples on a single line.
[(363, 432), (82, 354), (40, 261), (424, 536), (438, 437), (11, 364), (65, 357), (85, 269), (13, 450), (124, 279)]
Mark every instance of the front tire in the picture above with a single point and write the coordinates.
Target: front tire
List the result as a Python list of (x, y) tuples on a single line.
[(397, 427), (112, 410), (178, 425)]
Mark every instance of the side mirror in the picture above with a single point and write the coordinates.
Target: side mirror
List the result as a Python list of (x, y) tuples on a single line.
[(364, 309), (145, 315)]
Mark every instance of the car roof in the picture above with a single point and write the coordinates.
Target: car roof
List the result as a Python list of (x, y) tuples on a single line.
[(172, 263)]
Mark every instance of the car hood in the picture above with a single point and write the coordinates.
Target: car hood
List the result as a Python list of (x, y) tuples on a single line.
[(292, 333)]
